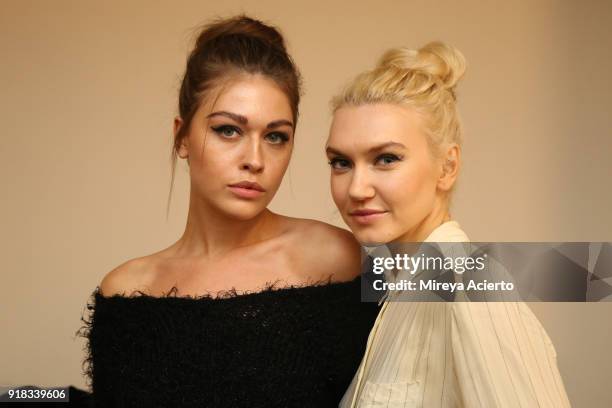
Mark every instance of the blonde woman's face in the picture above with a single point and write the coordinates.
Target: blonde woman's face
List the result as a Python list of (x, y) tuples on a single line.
[(384, 179), (238, 147)]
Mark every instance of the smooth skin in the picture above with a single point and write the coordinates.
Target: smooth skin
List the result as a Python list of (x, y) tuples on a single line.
[(242, 131), (386, 182), (381, 160)]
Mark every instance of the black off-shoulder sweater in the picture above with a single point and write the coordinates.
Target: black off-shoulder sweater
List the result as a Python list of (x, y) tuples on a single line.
[(287, 347)]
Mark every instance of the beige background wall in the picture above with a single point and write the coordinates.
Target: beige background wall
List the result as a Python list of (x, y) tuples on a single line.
[(88, 92)]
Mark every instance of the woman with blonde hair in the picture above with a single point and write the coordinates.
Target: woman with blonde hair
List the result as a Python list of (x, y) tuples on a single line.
[(395, 154)]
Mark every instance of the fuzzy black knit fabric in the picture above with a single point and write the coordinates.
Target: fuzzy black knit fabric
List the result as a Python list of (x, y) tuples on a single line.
[(281, 347)]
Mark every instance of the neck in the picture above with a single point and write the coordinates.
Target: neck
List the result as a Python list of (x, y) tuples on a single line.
[(439, 215), (209, 233)]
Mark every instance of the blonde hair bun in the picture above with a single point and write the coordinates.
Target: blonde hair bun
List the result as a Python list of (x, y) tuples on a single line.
[(439, 61), (422, 79)]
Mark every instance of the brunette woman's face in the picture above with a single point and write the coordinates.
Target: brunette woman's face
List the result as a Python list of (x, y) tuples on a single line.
[(384, 179), (238, 146)]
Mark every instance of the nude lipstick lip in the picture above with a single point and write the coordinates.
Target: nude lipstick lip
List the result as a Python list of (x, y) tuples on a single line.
[(247, 189), (367, 215)]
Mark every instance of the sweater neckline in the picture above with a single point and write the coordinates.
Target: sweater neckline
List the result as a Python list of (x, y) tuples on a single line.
[(229, 294)]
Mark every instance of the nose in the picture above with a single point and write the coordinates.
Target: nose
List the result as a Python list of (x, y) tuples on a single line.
[(361, 188), (253, 160)]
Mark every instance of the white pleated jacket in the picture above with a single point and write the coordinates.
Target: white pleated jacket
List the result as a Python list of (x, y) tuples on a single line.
[(457, 354)]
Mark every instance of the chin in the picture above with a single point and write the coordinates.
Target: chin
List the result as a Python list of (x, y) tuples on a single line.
[(243, 211), (368, 236), (243, 215), (375, 235)]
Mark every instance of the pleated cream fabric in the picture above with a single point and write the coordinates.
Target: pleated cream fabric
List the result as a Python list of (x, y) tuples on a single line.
[(461, 354)]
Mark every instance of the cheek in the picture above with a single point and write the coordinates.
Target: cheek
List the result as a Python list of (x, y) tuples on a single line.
[(202, 150), (339, 189), (212, 167), (276, 164), (411, 190)]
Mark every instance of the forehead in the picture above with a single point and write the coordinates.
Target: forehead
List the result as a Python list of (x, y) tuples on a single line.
[(252, 95), (360, 127)]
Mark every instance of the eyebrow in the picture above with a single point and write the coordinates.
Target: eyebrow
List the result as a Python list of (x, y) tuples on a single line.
[(373, 149), (234, 116), (279, 123), (243, 119)]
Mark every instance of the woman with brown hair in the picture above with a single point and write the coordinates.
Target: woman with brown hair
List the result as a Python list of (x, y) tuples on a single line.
[(248, 308)]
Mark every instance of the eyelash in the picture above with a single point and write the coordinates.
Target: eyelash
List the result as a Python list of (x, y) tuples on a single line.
[(391, 156), (283, 137), (220, 129), (336, 160)]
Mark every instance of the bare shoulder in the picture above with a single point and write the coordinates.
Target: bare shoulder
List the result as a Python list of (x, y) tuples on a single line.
[(125, 278), (326, 250)]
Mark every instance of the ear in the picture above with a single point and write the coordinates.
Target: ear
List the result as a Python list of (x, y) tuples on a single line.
[(451, 161), (183, 150)]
